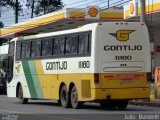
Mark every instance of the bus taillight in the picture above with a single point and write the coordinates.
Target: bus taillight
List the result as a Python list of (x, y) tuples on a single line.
[(96, 78)]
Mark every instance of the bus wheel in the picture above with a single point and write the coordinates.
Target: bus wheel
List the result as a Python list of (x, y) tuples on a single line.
[(59, 102), (74, 99), (20, 96), (64, 98), (122, 104)]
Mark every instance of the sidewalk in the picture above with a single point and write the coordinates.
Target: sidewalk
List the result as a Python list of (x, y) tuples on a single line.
[(152, 103)]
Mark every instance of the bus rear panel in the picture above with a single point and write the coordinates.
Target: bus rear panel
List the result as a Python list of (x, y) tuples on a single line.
[(122, 59)]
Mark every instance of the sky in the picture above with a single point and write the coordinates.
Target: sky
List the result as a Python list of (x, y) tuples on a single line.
[(8, 18)]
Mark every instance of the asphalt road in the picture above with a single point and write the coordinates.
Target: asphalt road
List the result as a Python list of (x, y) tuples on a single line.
[(11, 109)]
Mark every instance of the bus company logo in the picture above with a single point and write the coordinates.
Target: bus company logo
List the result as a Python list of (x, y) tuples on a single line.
[(122, 35), (18, 68)]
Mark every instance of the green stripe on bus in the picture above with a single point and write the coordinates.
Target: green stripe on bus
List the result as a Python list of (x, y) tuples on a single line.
[(29, 79), (21, 38), (35, 79), (27, 37)]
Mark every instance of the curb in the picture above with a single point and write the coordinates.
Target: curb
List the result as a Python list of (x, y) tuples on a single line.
[(145, 103)]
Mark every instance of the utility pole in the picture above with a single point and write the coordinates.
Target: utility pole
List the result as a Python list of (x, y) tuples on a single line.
[(1, 25), (143, 11), (0, 8), (108, 4), (32, 8), (16, 11)]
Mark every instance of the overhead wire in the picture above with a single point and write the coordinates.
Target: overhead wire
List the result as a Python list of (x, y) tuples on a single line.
[(42, 14), (101, 9), (32, 25), (75, 6), (69, 5), (151, 15), (65, 5)]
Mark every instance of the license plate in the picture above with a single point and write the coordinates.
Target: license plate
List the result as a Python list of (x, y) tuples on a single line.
[(127, 81)]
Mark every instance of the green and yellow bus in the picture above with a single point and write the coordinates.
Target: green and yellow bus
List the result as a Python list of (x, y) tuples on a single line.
[(105, 62)]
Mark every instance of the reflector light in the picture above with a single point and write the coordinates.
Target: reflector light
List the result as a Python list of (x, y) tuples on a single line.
[(121, 76)]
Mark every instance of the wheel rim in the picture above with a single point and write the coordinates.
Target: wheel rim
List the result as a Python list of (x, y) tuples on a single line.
[(64, 96), (74, 96)]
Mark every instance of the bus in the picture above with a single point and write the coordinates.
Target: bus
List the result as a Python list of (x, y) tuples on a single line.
[(3, 60), (104, 62)]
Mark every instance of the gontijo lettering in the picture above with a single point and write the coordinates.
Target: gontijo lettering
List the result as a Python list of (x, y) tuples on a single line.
[(56, 65), (123, 47)]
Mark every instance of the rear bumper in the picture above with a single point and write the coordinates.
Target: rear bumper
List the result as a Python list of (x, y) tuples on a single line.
[(121, 94)]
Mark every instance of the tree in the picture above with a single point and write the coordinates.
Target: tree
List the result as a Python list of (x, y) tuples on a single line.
[(1, 24), (6, 2), (2, 40), (47, 6), (17, 8), (15, 4), (31, 4)]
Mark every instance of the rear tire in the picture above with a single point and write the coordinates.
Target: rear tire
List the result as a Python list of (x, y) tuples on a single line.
[(74, 99), (122, 105), (64, 97), (20, 96), (59, 102)]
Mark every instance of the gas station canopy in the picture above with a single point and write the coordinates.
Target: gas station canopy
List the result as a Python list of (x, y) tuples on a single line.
[(132, 12), (68, 18)]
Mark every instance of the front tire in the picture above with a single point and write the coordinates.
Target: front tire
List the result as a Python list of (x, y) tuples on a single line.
[(74, 99), (20, 96)]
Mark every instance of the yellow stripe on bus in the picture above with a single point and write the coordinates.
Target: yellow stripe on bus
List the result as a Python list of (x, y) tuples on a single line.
[(47, 81)]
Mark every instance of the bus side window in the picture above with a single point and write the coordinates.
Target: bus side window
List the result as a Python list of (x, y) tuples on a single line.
[(89, 43), (33, 49), (68, 45), (28, 49), (11, 49), (18, 49), (61, 45), (38, 48), (47, 46), (23, 51), (80, 44), (56, 46), (44, 47), (74, 44), (84, 42), (49, 49)]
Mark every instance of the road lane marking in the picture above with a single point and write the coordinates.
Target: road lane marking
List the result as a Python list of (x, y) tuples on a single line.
[(64, 118), (13, 111)]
